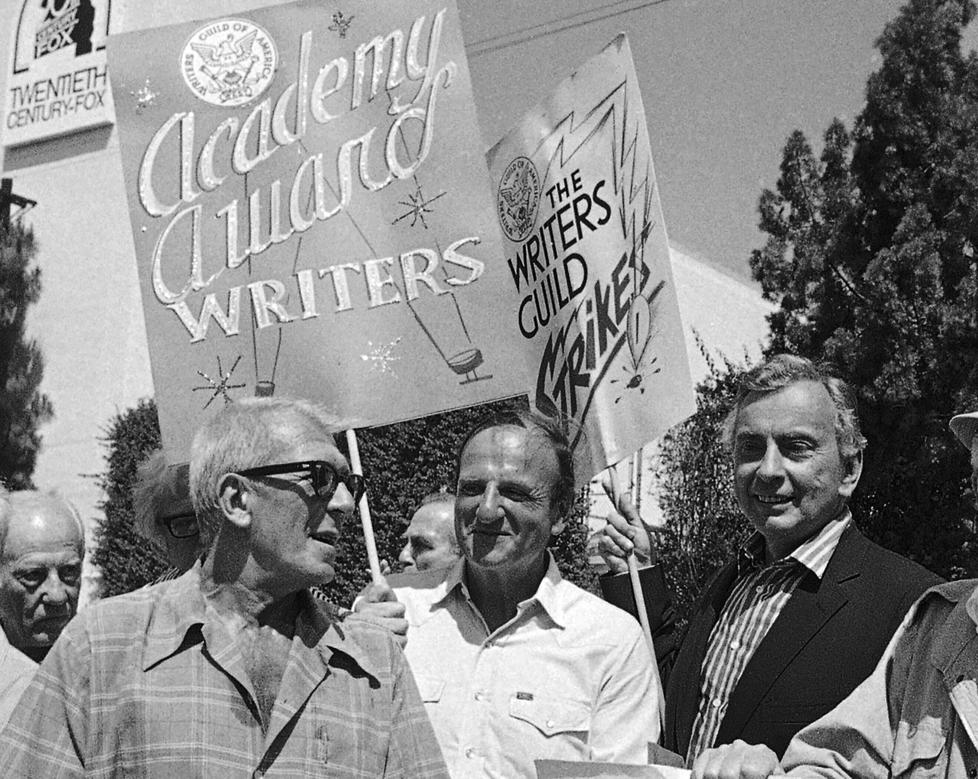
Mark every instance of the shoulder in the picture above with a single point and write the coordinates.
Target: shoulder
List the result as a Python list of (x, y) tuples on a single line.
[(128, 612), (887, 570), (594, 618)]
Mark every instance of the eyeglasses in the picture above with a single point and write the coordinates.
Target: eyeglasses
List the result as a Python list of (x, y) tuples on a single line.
[(324, 476), (180, 525)]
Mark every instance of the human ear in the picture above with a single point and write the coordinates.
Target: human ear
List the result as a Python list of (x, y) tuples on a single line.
[(235, 497), (852, 469)]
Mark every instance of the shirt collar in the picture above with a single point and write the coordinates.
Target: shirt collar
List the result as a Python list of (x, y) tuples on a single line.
[(814, 553), (183, 608), (972, 606), (547, 594)]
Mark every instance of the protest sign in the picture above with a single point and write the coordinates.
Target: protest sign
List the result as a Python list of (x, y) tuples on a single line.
[(566, 769), (587, 256), (312, 213)]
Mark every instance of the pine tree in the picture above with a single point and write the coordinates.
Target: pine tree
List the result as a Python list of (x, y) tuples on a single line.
[(23, 408), (870, 256)]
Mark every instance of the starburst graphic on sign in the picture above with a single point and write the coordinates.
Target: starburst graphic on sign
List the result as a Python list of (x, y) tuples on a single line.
[(382, 356), (417, 206), (341, 23), (145, 97), (219, 387)]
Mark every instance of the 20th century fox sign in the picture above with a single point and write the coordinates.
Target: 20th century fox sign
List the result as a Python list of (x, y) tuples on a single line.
[(57, 81)]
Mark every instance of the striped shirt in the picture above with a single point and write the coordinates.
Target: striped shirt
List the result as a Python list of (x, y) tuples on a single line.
[(756, 599), (152, 684)]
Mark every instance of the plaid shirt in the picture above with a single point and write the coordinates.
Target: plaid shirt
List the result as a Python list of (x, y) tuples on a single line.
[(757, 598), (151, 684)]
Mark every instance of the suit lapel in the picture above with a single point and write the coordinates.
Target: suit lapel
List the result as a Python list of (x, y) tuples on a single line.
[(810, 607), (682, 699)]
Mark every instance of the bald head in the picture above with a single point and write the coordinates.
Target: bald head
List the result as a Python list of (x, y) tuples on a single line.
[(41, 547), (430, 540)]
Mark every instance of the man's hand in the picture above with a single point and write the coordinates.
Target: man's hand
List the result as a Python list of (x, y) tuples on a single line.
[(738, 760), (624, 532), (377, 603)]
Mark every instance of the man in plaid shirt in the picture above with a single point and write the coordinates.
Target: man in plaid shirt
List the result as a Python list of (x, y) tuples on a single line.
[(233, 669)]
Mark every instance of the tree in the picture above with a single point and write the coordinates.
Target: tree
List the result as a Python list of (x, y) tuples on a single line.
[(870, 256), (402, 463), (704, 526), (23, 408), (126, 559)]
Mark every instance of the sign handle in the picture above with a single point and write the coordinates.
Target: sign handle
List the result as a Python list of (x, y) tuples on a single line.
[(368, 529), (610, 484)]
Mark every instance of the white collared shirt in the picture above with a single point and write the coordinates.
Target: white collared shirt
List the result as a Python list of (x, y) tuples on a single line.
[(570, 677)]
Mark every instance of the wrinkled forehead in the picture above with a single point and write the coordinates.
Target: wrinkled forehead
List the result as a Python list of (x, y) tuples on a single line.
[(42, 527)]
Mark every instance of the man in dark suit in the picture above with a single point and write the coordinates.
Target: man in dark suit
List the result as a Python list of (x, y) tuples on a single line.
[(785, 631)]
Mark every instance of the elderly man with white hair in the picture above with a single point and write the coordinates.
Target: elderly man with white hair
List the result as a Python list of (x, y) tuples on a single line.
[(41, 548), (233, 669)]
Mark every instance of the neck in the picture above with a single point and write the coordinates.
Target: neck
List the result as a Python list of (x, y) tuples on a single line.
[(497, 591), (36, 653), (242, 603)]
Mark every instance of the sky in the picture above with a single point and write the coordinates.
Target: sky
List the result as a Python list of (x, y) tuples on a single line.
[(724, 83)]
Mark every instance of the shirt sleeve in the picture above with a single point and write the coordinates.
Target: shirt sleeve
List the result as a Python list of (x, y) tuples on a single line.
[(414, 749), (47, 731), (857, 738), (626, 717)]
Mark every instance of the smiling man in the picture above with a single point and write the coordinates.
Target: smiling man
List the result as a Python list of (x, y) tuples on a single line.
[(789, 628), (514, 663), (41, 548), (233, 668)]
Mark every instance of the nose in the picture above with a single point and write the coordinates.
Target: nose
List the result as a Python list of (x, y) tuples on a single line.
[(341, 501), (54, 592), (489, 509), (771, 465), (405, 557)]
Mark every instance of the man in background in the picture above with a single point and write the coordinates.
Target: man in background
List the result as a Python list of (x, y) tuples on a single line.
[(164, 511), (430, 540), (41, 548)]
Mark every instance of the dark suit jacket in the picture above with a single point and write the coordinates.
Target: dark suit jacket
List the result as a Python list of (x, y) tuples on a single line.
[(827, 639)]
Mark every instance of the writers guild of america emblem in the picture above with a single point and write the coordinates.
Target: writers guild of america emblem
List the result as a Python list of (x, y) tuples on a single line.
[(517, 199), (229, 63)]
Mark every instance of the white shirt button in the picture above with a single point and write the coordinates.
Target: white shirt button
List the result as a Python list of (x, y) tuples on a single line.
[(470, 753), (716, 703), (735, 645), (480, 695), (550, 723)]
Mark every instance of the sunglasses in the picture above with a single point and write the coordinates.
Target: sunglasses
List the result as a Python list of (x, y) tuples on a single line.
[(325, 479), (180, 525)]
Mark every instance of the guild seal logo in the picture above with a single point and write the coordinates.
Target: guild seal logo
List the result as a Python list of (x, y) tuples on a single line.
[(229, 63), (518, 198)]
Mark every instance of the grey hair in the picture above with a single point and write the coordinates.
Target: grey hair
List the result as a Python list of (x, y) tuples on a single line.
[(443, 498), (157, 485), (245, 434), (783, 370)]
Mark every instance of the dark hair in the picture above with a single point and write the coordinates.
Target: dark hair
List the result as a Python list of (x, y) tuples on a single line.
[(785, 369), (548, 427)]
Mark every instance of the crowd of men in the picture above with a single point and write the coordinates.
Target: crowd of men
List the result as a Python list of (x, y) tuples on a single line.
[(814, 651)]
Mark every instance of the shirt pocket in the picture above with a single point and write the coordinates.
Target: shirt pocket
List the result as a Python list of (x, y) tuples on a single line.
[(430, 687), (552, 716), (920, 751)]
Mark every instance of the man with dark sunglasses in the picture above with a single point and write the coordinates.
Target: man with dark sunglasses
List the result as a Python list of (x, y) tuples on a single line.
[(234, 668)]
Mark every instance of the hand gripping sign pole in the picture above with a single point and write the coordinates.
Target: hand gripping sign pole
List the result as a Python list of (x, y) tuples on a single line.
[(609, 481), (368, 529)]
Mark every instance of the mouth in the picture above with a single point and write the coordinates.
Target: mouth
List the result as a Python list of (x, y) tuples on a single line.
[(325, 537), (773, 500)]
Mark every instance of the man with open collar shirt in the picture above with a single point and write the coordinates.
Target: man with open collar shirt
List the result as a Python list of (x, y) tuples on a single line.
[(234, 669), (515, 663), (787, 629)]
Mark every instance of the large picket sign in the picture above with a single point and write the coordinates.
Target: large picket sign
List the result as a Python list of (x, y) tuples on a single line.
[(588, 259), (312, 213)]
